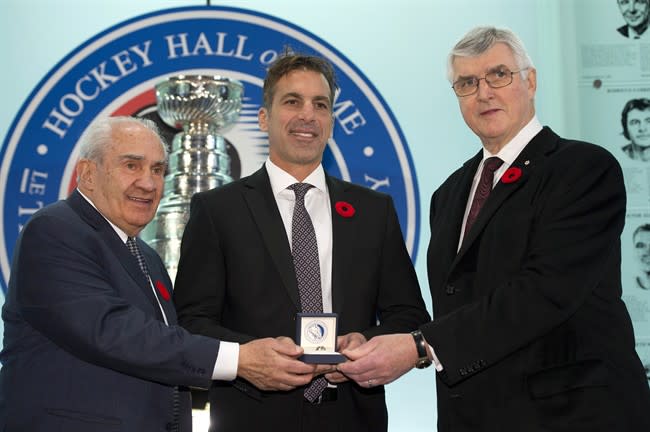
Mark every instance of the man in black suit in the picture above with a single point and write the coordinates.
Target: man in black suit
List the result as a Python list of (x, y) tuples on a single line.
[(237, 281), (530, 332), (637, 16), (91, 341)]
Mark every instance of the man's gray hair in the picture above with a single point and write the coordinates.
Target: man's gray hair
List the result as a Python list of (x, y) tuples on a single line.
[(99, 135), (480, 39)]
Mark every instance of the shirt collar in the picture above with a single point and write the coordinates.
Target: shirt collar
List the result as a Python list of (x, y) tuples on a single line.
[(281, 180), (123, 236), (510, 151), (632, 33)]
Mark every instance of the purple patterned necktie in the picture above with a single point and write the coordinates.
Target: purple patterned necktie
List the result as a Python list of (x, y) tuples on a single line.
[(305, 261), (483, 190)]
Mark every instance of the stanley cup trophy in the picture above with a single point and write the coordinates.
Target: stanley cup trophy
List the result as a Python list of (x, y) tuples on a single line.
[(202, 106)]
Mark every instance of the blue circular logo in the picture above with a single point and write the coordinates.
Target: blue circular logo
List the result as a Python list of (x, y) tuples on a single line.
[(315, 332), (115, 72)]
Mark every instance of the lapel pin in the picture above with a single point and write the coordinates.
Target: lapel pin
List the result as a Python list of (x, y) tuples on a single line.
[(511, 175), (345, 209), (162, 290)]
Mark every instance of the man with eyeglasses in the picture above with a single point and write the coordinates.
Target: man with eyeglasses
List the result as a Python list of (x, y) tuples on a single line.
[(529, 331)]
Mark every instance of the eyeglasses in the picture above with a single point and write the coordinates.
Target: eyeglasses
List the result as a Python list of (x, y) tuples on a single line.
[(498, 78)]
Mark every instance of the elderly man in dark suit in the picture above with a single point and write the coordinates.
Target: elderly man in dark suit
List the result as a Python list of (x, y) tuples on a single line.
[(91, 341), (530, 332), (241, 275)]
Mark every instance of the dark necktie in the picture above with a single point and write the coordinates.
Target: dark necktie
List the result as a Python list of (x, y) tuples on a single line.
[(135, 250), (305, 261), (483, 190)]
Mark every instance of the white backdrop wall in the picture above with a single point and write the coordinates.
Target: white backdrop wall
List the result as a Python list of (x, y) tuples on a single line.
[(401, 47)]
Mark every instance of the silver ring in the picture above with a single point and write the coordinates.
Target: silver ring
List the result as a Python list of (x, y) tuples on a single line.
[(369, 383)]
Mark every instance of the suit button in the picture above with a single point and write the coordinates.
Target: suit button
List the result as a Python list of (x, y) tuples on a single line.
[(450, 289), (462, 372)]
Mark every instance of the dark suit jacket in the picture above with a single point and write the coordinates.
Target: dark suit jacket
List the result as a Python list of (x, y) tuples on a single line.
[(528, 319), (236, 281), (84, 345)]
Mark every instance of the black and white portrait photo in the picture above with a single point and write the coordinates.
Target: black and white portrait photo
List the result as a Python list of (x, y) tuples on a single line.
[(636, 14)]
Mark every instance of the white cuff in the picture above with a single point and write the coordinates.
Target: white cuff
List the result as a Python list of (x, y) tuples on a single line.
[(436, 362), (225, 368)]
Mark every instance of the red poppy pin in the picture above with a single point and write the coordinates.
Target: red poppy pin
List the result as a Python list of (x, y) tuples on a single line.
[(511, 175), (162, 290), (344, 209)]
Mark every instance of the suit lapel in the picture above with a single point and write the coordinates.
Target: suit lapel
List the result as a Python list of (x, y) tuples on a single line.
[(264, 210), (343, 229), (529, 158), (458, 204), (89, 214), (161, 283)]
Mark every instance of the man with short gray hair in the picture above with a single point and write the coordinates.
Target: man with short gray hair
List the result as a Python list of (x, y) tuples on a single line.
[(91, 341), (530, 332)]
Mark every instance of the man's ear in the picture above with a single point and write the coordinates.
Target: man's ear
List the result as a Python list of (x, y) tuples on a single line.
[(262, 119), (532, 81), (86, 170)]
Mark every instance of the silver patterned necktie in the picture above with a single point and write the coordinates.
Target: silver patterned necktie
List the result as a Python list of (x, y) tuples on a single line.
[(304, 250), (135, 251)]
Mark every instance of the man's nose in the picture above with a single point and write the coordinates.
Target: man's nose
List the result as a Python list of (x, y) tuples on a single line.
[(307, 111), (147, 181), (484, 90)]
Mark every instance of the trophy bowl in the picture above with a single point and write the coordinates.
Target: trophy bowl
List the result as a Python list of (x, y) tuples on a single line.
[(199, 99)]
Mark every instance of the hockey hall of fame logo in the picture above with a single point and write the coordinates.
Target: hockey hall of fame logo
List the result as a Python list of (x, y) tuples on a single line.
[(115, 73)]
